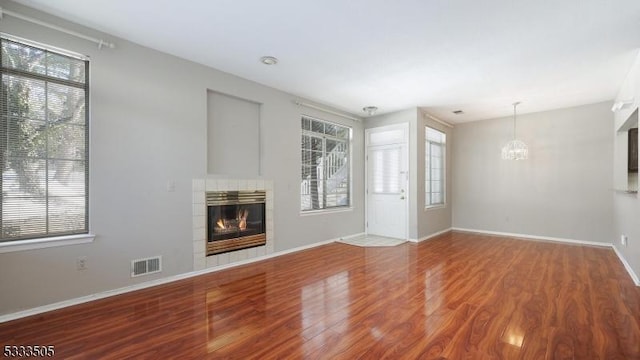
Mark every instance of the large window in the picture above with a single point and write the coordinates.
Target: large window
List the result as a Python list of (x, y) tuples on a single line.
[(326, 167), (435, 149), (43, 142)]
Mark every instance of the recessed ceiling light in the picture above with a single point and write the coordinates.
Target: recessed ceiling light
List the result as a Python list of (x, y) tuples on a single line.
[(268, 60), (458, 112), (370, 110)]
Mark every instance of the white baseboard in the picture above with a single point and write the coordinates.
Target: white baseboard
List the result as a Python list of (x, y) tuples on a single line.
[(632, 274), (430, 236), (535, 237), (351, 236), (148, 284)]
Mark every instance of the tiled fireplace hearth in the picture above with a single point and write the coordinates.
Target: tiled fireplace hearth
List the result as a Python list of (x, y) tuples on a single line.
[(245, 215)]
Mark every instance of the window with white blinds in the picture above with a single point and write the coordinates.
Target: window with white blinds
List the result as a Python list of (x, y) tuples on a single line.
[(326, 168), (385, 170), (435, 149), (43, 142)]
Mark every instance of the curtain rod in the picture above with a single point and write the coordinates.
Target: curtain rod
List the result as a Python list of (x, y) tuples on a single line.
[(101, 43), (300, 103), (437, 120)]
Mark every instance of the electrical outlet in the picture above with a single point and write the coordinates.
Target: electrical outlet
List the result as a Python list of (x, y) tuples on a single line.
[(81, 263), (623, 239)]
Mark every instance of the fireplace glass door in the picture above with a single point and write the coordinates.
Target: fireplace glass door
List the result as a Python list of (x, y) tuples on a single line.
[(234, 221)]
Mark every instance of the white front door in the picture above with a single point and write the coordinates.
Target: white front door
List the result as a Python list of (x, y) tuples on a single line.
[(387, 180)]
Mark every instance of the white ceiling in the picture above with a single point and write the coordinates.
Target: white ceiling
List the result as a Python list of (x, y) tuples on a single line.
[(443, 55)]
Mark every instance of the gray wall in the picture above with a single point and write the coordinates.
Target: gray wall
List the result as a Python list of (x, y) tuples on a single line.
[(422, 222), (626, 207), (148, 127), (563, 190)]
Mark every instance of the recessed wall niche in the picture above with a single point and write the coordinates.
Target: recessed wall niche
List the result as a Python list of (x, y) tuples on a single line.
[(233, 136)]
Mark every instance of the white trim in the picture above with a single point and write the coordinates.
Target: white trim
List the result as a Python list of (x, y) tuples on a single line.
[(435, 207), (335, 209), (535, 237), (430, 236), (444, 157), (148, 284), (351, 236), (632, 273), (33, 244)]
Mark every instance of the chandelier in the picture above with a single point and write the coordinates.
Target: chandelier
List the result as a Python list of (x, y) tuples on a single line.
[(515, 149)]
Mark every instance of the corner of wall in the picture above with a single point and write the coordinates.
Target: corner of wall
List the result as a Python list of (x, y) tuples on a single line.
[(626, 207), (634, 276)]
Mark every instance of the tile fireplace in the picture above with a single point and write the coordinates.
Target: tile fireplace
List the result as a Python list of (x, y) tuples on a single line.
[(234, 233)]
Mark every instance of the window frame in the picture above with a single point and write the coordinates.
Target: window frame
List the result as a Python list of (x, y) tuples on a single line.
[(349, 156), (428, 195), (51, 238)]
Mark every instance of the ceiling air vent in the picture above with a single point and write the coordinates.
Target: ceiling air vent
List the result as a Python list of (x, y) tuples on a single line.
[(146, 266)]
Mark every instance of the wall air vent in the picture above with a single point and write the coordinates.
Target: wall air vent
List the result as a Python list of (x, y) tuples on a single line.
[(146, 266)]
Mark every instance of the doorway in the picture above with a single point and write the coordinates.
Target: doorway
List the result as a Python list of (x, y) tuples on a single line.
[(387, 179)]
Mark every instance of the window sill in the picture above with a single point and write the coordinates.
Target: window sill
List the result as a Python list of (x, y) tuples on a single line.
[(435, 207), (33, 244), (326, 211), (628, 191)]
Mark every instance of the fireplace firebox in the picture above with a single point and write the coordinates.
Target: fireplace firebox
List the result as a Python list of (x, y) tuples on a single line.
[(235, 220)]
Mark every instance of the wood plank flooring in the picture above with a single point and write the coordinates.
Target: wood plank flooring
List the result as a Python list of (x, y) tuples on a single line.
[(458, 296)]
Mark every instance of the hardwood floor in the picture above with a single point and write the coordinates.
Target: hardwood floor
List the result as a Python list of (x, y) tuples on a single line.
[(458, 296)]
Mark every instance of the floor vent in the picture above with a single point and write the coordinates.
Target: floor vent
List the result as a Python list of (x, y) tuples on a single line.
[(146, 266)]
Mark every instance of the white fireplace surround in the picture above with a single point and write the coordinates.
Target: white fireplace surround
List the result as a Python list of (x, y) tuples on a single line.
[(200, 187)]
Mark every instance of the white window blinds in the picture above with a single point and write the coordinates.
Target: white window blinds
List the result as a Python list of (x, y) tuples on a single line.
[(43, 142), (386, 174)]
